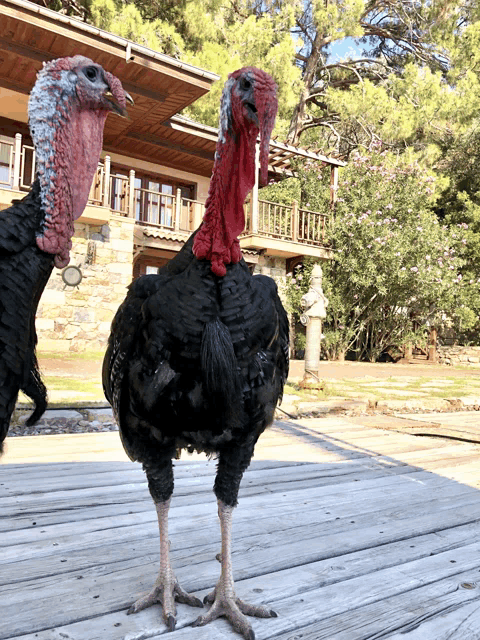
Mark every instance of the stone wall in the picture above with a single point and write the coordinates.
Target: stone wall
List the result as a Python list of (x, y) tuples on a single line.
[(272, 266), (79, 318), (466, 356)]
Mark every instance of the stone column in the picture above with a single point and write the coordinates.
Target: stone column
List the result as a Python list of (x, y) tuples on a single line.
[(314, 304), (106, 181)]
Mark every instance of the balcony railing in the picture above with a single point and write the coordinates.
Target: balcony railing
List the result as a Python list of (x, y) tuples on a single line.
[(286, 222), (122, 194)]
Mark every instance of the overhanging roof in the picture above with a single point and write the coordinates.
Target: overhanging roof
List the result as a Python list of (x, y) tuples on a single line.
[(280, 155), (160, 85)]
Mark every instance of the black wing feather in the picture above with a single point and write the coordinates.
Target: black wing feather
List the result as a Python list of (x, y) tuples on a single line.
[(159, 381), (24, 272)]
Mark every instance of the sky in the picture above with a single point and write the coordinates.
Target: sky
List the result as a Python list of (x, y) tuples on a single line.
[(341, 48)]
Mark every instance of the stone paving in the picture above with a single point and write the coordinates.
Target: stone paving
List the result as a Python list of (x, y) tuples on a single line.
[(55, 421), (356, 379), (100, 419)]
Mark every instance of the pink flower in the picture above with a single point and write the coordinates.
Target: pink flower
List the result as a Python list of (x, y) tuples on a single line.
[(415, 269)]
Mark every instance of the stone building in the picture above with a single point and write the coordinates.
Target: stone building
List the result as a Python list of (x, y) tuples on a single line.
[(152, 181)]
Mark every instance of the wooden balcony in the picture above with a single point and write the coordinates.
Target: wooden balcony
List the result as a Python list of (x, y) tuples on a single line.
[(285, 230), (164, 221)]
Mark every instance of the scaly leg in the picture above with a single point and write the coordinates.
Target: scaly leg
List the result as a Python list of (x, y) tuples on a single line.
[(223, 597), (166, 588)]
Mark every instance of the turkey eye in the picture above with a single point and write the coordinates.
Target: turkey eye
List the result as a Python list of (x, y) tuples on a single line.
[(91, 73), (245, 84)]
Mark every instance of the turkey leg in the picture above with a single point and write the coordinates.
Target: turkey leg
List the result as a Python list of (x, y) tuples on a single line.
[(166, 588), (223, 600)]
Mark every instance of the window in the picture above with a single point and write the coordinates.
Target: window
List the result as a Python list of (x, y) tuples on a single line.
[(119, 191), (6, 162), (149, 270), (153, 199)]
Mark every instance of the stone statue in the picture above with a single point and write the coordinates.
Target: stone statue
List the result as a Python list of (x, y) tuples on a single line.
[(314, 303)]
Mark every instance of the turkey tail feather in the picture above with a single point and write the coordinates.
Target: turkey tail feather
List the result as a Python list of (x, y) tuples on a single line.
[(36, 391), (219, 365)]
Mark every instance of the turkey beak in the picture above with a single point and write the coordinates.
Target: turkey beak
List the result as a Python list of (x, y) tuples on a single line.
[(115, 105), (252, 112)]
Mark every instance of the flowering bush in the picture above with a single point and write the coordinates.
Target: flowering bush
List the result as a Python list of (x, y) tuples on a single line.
[(396, 270)]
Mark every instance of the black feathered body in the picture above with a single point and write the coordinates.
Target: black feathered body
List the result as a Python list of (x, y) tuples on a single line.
[(24, 272), (196, 361)]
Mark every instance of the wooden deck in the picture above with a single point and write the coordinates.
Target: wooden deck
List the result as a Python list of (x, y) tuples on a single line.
[(347, 531)]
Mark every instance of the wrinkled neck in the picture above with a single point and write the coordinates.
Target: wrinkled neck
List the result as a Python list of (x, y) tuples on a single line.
[(67, 160), (224, 220), (84, 137)]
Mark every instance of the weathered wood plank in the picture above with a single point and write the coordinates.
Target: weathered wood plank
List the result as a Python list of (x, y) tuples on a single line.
[(75, 552), (188, 479), (291, 590), (335, 599), (382, 619), (191, 464), (19, 505), (454, 623), (361, 499), (370, 540), (321, 504)]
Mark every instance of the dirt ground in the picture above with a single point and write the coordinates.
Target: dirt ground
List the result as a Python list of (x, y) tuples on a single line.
[(82, 368), (343, 370)]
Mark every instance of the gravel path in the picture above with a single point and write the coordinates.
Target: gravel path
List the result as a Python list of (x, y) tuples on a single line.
[(55, 421)]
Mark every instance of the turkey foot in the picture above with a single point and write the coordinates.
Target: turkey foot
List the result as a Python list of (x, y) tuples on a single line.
[(223, 599), (233, 609), (166, 589)]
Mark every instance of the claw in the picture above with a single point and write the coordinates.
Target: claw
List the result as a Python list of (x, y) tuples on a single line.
[(199, 622), (171, 622), (186, 598)]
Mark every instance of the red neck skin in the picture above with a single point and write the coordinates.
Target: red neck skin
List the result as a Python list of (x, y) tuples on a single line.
[(224, 219), (77, 147)]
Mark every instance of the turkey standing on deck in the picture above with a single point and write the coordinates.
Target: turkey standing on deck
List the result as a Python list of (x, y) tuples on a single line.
[(67, 110), (197, 357)]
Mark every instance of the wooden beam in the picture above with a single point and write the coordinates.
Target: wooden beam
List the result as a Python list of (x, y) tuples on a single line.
[(145, 93), (192, 129), (40, 56), (15, 86), (306, 154), (173, 146), (26, 52)]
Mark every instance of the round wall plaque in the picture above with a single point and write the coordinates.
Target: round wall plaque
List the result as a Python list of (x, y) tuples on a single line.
[(72, 276)]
